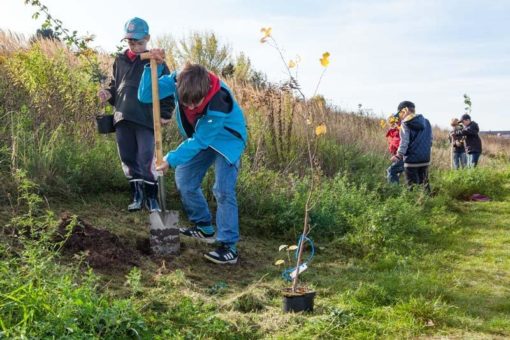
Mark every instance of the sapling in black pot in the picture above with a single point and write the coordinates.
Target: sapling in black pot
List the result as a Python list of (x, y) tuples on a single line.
[(299, 298)]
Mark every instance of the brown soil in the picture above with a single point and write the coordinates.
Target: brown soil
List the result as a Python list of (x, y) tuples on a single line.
[(101, 248), (300, 291)]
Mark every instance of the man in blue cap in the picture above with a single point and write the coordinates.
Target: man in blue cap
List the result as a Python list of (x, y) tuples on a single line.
[(133, 119), (415, 145)]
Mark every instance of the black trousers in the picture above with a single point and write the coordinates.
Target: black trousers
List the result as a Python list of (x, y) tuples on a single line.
[(136, 149), (418, 176)]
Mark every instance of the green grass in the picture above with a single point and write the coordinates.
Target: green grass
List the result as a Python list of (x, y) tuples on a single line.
[(456, 283)]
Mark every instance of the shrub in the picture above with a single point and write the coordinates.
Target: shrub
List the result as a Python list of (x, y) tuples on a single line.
[(464, 183)]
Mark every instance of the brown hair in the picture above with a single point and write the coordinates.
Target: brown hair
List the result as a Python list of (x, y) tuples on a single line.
[(454, 122), (192, 83)]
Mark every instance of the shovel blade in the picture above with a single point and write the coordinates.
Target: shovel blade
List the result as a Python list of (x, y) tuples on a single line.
[(164, 233)]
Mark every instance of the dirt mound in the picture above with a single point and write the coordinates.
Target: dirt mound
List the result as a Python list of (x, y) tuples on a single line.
[(102, 249)]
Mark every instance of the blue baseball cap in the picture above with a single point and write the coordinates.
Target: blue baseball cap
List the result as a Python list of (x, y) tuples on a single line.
[(136, 28)]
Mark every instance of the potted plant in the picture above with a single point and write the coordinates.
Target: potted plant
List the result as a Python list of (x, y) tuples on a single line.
[(298, 297)]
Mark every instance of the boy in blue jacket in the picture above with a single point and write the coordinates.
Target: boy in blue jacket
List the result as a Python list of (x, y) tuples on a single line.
[(214, 132)]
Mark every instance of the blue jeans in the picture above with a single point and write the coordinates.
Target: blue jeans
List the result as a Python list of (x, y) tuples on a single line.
[(459, 160), (472, 159), (394, 170), (188, 178)]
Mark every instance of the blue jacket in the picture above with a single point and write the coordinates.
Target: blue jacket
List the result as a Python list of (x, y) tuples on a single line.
[(415, 141), (221, 127)]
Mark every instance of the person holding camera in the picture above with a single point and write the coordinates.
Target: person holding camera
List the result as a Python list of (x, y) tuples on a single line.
[(472, 140), (459, 159)]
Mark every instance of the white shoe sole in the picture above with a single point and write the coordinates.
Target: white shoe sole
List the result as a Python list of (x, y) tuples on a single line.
[(234, 261), (208, 240)]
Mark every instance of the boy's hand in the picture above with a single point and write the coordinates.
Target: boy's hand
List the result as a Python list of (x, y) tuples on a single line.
[(104, 95), (395, 158), (163, 166), (158, 54)]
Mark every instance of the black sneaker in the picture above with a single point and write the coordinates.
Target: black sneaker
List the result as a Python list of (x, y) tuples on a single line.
[(198, 234), (222, 255)]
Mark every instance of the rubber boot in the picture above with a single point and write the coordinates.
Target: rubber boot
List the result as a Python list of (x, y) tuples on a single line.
[(137, 194), (151, 197)]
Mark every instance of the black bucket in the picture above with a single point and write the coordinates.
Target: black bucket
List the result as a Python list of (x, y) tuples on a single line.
[(105, 123), (298, 303)]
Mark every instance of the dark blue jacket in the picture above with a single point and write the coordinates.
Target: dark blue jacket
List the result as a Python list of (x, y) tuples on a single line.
[(473, 141), (415, 141), (124, 90)]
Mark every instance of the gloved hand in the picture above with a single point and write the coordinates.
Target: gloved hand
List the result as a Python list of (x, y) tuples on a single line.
[(104, 95)]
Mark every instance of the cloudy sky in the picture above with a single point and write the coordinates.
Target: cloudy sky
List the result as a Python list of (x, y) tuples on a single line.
[(430, 52)]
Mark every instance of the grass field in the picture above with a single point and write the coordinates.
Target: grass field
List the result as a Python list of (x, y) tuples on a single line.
[(456, 284)]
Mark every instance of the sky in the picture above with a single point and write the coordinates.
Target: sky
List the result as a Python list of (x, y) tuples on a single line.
[(382, 52)]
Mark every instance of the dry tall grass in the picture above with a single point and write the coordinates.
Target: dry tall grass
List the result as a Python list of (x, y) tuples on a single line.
[(62, 94)]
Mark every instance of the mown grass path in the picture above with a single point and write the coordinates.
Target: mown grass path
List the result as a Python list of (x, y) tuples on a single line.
[(457, 286), (480, 277)]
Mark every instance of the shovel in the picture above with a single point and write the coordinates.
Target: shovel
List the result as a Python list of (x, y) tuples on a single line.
[(164, 231)]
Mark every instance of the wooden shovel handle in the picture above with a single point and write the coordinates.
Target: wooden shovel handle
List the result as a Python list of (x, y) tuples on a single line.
[(156, 113), (156, 110)]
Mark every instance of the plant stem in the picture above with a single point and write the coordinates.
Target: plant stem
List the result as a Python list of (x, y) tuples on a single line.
[(307, 211)]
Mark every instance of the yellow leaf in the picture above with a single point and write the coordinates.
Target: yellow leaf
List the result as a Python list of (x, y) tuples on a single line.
[(392, 120), (292, 64), (325, 59), (382, 123), (321, 129), (263, 40), (282, 247), (279, 262), (291, 248), (266, 31)]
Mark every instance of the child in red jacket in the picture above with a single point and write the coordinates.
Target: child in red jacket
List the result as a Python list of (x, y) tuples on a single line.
[(393, 137)]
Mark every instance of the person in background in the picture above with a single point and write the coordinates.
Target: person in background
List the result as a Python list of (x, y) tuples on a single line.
[(471, 139), (393, 137), (459, 159), (415, 145)]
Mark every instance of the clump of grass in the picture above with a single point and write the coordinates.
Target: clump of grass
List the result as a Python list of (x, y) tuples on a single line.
[(463, 184)]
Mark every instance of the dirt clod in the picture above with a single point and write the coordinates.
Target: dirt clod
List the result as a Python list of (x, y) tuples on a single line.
[(101, 248)]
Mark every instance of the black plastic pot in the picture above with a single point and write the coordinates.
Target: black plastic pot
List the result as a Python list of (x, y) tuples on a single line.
[(298, 302), (105, 123)]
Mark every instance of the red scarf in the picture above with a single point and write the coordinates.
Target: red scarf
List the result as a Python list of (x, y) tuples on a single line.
[(192, 115), (131, 55)]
